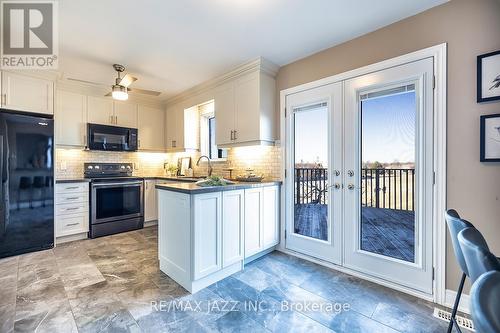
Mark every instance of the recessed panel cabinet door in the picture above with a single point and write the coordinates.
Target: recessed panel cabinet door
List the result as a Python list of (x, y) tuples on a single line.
[(224, 109), (207, 234), (151, 125), (247, 108), (71, 118), (233, 205), (271, 216), (25, 93), (125, 114), (150, 201), (100, 110), (253, 221)]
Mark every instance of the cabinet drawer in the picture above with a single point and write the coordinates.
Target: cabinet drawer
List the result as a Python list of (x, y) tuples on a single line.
[(66, 198), (72, 208), (71, 224), (72, 187)]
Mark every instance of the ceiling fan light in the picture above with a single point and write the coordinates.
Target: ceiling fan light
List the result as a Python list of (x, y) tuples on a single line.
[(119, 93)]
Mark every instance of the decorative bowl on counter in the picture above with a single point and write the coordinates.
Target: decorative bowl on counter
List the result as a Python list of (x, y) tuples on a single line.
[(250, 178)]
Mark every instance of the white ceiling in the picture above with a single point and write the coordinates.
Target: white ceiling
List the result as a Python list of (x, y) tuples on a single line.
[(172, 45)]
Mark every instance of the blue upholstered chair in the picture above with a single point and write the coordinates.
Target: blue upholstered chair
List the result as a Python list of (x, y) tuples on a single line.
[(477, 255), (485, 303), (455, 225)]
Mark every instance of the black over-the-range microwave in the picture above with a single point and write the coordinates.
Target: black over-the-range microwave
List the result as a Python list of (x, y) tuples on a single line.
[(105, 137)]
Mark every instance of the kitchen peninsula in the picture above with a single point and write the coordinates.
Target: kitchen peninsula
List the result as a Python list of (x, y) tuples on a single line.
[(207, 233)]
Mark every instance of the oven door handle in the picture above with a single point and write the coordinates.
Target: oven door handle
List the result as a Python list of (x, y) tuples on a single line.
[(119, 184)]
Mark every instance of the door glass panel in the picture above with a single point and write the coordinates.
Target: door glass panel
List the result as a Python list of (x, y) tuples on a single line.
[(388, 129), (311, 171)]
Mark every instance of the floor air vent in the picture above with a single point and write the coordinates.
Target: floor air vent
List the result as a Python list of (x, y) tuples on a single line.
[(462, 321)]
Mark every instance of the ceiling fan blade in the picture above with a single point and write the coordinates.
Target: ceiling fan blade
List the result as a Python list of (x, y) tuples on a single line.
[(87, 82), (127, 80), (108, 94), (144, 92)]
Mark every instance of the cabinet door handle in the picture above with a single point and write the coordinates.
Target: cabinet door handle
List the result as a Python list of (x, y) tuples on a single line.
[(111, 119), (71, 188), (174, 143), (235, 138), (72, 198), (71, 224), (138, 143), (232, 135), (116, 120), (72, 208)]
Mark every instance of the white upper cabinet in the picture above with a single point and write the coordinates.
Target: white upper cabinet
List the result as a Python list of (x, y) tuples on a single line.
[(100, 110), (182, 128), (71, 118), (224, 113), (26, 93), (125, 114), (245, 111), (151, 126)]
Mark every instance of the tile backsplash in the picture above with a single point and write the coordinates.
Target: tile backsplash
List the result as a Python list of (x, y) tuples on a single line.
[(265, 160)]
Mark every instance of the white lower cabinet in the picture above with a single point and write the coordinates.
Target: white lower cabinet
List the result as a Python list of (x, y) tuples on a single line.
[(253, 221), (233, 211), (207, 234), (261, 219), (270, 221), (205, 237), (72, 208), (150, 201)]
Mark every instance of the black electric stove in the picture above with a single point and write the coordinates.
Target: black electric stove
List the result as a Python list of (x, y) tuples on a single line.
[(116, 198)]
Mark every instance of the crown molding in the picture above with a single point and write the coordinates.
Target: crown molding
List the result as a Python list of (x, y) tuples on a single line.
[(259, 64)]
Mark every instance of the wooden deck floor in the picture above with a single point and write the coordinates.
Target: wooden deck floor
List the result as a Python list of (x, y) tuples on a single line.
[(389, 232)]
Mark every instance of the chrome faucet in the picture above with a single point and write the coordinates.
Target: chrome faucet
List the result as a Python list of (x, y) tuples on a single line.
[(209, 164)]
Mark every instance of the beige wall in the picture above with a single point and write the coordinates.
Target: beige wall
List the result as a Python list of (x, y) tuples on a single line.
[(470, 27)]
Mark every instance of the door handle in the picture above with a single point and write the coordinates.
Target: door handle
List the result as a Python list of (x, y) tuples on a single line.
[(351, 187)]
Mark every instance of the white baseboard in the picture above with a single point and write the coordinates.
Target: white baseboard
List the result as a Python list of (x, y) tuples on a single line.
[(463, 306), (150, 223), (71, 238)]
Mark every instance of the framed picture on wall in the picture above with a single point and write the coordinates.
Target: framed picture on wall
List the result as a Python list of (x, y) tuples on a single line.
[(490, 138), (488, 77)]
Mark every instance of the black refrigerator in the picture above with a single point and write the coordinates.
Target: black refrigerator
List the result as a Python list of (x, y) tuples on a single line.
[(27, 183)]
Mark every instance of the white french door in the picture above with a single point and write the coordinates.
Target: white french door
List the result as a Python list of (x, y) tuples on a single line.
[(360, 164), (314, 143), (389, 174)]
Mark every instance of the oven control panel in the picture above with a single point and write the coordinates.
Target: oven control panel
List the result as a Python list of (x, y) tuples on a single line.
[(93, 170)]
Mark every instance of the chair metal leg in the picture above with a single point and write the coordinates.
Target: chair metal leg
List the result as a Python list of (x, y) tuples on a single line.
[(455, 306)]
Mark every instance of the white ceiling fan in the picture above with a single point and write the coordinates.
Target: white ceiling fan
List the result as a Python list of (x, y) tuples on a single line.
[(120, 89)]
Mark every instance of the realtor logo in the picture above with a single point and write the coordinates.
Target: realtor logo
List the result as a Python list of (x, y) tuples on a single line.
[(29, 36)]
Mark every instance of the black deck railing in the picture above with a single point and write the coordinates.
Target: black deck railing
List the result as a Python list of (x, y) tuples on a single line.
[(380, 188)]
